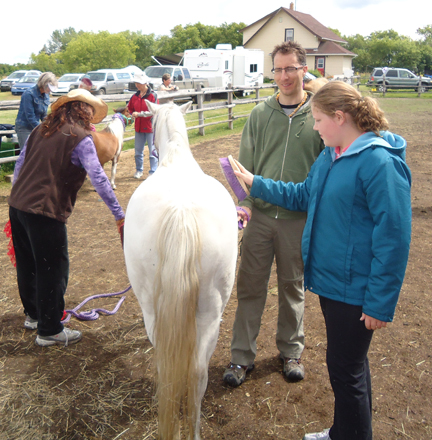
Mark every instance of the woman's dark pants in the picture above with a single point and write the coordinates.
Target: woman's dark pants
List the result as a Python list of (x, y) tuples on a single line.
[(41, 251)]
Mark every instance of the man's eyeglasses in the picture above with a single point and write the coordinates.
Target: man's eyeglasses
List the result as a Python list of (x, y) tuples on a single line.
[(290, 70)]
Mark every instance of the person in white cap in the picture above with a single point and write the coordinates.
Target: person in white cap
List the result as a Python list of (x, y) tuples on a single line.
[(143, 123)]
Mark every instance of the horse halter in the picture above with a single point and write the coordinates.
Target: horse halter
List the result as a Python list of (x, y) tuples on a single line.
[(126, 121)]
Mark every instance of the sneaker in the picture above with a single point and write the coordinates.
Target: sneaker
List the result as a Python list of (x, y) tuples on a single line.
[(293, 369), (323, 435), (65, 337), (30, 323), (235, 374), (138, 175)]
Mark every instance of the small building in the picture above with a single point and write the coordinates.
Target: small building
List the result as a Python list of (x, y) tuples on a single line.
[(324, 48)]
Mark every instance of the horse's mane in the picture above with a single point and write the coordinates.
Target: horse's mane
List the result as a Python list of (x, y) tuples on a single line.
[(169, 116)]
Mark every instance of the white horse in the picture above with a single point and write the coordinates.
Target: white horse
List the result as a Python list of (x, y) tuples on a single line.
[(180, 247)]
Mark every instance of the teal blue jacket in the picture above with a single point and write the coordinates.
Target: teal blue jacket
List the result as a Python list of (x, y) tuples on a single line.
[(356, 240)]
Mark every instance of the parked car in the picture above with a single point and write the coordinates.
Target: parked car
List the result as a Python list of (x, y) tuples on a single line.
[(24, 83), (68, 82), (397, 78), (108, 82), (7, 83)]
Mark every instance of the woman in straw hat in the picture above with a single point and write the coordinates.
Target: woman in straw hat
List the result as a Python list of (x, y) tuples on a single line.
[(50, 170)]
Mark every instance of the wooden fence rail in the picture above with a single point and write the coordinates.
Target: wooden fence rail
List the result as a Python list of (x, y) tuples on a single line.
[(182, 95)]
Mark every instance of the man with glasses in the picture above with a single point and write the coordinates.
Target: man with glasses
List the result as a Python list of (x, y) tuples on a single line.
[(278, 142)]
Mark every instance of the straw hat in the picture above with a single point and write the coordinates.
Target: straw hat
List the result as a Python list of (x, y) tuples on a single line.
[(99, 106)]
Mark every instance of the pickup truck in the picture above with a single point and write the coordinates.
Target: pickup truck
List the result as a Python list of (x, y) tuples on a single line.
[(180, 77)]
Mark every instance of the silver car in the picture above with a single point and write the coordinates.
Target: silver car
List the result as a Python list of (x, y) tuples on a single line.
[(108, 82), (68, 82)]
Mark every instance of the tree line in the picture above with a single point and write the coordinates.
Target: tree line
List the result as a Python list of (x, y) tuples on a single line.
[(69, 50)]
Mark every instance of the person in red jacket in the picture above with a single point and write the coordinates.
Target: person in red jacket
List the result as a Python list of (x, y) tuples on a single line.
[(143, 123)]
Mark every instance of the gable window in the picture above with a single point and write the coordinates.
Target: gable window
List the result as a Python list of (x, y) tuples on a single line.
[(289, 34), (253, 68)]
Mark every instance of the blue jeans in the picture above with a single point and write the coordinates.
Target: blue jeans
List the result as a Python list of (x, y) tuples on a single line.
[(140, 141), (22, 133)]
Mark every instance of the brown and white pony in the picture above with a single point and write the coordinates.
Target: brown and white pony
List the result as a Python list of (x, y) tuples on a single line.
[(315, 84), (109, 141)]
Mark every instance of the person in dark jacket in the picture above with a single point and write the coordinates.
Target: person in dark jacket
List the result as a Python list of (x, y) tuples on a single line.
[(355, 243), (34, 105), (143, 123), (49, 172)]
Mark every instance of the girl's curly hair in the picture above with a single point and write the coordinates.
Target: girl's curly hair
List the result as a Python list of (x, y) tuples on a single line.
[(365, 111), (74, 113)]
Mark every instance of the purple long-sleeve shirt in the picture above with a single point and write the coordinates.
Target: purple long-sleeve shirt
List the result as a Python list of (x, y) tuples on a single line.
[(84, 156)]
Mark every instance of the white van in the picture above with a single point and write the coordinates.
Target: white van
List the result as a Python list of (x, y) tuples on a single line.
[(7, 83)]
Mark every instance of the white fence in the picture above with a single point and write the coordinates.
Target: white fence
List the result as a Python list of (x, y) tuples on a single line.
[(199, 96)]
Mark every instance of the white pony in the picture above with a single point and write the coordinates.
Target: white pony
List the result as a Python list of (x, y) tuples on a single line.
[(180, 247)]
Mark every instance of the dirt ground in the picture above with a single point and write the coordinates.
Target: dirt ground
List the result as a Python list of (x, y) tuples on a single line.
[(102, 387)]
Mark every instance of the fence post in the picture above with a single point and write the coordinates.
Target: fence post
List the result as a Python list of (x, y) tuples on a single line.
[(384, 84), (200, 102), (257, 93), (230, 110), (419, 87)]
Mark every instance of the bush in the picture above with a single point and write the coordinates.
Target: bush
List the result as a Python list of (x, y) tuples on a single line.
[(315, 72)]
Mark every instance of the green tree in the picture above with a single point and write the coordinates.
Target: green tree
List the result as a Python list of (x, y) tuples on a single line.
[(145, 47), (426, 33), (90, 51), (60, 40), (46, 63)]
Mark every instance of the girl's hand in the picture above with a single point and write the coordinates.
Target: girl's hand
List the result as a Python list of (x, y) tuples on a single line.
[(244, 174), (372, 323), (135, 114)]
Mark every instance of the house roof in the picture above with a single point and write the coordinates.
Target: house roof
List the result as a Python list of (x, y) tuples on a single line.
[(306, 20), (330, 48)]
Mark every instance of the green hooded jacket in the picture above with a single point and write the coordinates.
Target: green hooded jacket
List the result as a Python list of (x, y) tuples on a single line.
[(278, 147)]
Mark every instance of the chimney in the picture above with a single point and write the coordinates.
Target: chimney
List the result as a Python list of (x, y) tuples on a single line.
[(292, 6)]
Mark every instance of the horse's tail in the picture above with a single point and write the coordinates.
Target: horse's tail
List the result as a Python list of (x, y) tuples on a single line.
[(175, 328)]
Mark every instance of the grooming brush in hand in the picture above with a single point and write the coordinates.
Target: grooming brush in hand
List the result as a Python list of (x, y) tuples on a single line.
[(228, 165)]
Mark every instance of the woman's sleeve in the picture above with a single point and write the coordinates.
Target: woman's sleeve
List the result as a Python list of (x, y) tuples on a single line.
[(294, 197), (85, 156), (27, 101), (387, 187), (19, 163)]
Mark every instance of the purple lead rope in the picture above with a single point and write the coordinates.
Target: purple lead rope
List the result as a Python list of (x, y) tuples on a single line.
[(93, 314)]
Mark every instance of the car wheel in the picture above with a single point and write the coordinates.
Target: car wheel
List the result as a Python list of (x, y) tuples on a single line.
[(424, 88), (381, 88), (101, 92)]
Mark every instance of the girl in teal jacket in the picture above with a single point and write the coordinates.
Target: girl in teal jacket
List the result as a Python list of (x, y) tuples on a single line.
[(356, 240)]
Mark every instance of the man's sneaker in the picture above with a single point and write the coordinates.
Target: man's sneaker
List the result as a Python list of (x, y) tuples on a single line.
[(235, 374), (65, 337), (30, 323), (323, 435), (138, 175), (293, 369)]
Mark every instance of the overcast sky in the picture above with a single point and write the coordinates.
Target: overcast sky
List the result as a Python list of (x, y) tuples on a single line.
[(28, 25)]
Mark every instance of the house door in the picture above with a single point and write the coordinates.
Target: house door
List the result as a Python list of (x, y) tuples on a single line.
[(320, 65)]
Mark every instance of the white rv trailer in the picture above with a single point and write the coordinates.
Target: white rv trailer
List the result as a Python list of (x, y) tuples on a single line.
[(225, 67)]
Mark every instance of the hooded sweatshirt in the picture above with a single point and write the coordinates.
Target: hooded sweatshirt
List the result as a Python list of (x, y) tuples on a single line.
[(278, 147), (356, 240)]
